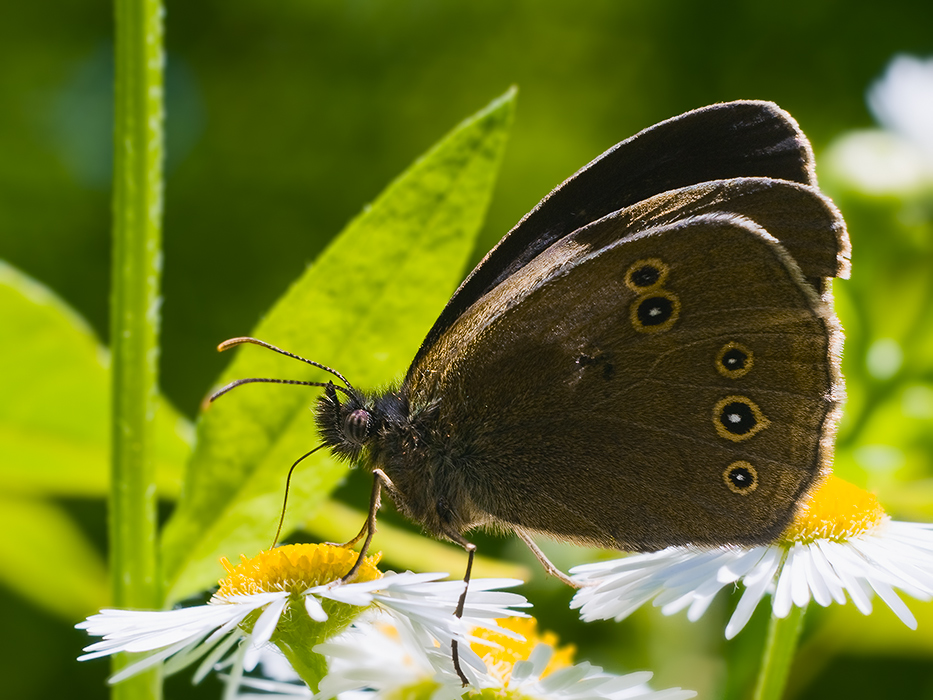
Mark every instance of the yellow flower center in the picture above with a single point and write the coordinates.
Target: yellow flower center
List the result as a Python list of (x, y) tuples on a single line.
[(836, 510), (501, 659), (293, 568)]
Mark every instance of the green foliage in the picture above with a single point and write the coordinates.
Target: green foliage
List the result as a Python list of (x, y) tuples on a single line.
[(885, 440), (80, 579), (55, 435)]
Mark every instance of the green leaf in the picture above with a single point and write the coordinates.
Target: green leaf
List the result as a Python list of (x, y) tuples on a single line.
[(54, 417), (73, 582), (363, 307), (54, 429)]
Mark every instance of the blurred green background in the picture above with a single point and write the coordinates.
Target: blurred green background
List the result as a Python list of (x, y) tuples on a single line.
[(285, 118)]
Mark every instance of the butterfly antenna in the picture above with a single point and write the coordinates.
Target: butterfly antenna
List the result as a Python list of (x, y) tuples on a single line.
[(265, 380), (288, 481), (227, 344)]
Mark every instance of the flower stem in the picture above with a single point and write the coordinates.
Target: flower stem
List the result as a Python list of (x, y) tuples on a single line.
[(134, 320), (780, 647)]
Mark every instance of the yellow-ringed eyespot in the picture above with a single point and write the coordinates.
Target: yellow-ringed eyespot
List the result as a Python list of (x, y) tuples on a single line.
[(646, 274), (738, 418), (655, 312), (741, 477)]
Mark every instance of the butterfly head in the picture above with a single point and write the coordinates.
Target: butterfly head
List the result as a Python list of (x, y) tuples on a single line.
[(345, 420)]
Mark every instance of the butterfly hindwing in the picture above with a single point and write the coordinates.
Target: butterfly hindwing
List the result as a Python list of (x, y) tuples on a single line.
[(806, 223), (637, 390)]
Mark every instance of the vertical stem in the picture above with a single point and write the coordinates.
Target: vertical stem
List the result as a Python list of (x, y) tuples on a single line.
[(134, 321), (780, 647)]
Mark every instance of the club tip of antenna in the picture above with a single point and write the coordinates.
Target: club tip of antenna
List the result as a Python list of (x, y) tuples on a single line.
[(227, 344)]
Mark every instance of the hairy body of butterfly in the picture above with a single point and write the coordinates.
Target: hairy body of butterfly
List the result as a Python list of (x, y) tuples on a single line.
[(649, 358)]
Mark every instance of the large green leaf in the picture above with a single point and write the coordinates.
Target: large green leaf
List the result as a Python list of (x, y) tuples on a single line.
[(55, 412), (363, 307), (54, 566), (54, 432)]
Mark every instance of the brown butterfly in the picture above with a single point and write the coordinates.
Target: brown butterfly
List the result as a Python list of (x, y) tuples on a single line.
[(649, 358)]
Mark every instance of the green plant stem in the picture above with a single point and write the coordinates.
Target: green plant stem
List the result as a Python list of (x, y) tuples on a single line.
[(134, 325), (780, 647)]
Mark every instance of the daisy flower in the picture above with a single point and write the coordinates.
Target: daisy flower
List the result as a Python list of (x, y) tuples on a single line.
[(840, 543), (378, 660), (293, 597)]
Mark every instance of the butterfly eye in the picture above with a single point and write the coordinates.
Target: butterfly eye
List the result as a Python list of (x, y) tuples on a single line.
[(734, 360), (741, 478), (655, 312), (645, 274), (356, 425), (737, 418)]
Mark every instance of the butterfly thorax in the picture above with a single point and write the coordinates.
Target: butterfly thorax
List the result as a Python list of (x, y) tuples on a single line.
[(383, 431)]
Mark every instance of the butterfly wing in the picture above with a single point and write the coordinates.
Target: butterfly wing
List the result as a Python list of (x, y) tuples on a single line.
[(805, 221), (637, 390), (729, 140)]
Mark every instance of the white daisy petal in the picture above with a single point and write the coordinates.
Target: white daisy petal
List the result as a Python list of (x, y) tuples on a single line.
[(670, 602), (700, 605), (617, 685), (524, 669), (757, 584), (840, 545), (799, 588), (887, 594), (815, 581), (262, 631), (782, 594), (215, 645), (374, 655), (703, 566), (842, 565), (905, 575), (314, 609), (236, 674), (205, 634), (348, 594), (146, 630), (826, 572), (213, 657), (148, 662), (856, 564), (736, 568)]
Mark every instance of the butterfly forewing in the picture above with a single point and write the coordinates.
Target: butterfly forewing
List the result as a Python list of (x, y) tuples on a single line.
[(728, 140)]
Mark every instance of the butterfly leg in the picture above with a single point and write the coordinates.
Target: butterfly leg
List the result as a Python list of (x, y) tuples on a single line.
[(471, 553), (369, 528), (545, 562), (350, 544)]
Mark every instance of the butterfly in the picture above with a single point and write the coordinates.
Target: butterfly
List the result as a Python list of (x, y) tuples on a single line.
[(650, 357)]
